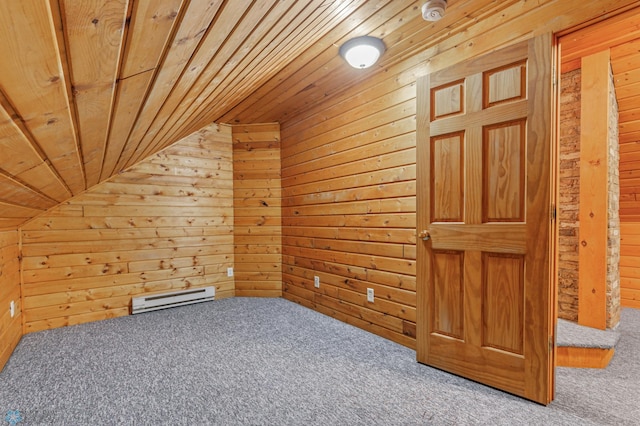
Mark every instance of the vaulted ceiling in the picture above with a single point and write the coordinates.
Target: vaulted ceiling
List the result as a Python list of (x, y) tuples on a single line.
[(90, 87)]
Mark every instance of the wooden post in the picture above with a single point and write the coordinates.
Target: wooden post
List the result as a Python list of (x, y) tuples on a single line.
[(594, 146)]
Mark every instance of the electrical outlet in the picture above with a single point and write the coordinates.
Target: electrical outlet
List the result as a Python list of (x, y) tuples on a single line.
[(12, 308), (316, 281), (370, 295), (229, 272)]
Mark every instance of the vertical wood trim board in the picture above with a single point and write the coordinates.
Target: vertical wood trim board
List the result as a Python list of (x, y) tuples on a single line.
[(257, 210), (10, 328), (593, 216), (164, 224)]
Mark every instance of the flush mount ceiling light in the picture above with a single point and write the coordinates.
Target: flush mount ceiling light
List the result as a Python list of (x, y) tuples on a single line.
[(362, 52), (433, 10)]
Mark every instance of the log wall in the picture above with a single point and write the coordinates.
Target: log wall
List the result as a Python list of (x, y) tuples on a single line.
[(10, 328), (569, 198), (164, 224), (348, 176), (257, 215)]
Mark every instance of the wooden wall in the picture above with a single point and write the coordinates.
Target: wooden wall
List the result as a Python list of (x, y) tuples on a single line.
[(166, 223), (10, 328), (349, 207), (625, 62), (257, 210), (349, 211), (348, 177), (620, 35), (630, 264)]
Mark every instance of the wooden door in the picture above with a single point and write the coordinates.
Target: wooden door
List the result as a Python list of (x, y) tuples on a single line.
[(484, 209)]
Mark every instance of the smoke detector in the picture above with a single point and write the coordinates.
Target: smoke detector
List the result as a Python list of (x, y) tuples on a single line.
[(433, 10)]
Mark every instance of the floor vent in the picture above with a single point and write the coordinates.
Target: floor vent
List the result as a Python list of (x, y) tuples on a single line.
[(154, 302)]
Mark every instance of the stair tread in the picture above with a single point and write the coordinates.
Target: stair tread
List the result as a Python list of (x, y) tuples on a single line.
[(575, 335)]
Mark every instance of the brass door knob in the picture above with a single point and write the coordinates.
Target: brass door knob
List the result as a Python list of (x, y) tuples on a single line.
[(424, 235)]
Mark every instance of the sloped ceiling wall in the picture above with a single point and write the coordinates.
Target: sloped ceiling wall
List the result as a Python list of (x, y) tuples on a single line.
[(88, 88)]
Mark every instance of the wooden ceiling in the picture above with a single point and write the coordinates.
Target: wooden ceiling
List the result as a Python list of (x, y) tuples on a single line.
[(88, 88), (91, 87)]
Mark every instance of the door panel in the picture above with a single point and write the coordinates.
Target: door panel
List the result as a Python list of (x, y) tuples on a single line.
[(448, 293), (447, 177), (503, 297), (503, 178), (484, 164)]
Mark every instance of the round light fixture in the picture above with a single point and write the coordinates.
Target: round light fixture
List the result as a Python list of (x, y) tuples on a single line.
[(362, 52), (433, 10)]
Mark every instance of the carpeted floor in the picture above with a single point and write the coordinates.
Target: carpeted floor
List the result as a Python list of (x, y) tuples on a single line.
[(572, 334), (272, 362)]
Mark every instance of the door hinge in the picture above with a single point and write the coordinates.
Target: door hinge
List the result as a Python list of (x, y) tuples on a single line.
[(553, 212)]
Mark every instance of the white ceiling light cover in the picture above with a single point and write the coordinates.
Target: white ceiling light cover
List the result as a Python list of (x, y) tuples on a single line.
[(362, 52)]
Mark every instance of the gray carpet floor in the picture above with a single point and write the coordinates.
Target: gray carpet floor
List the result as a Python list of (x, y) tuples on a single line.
[(245, 361), (574, 335)]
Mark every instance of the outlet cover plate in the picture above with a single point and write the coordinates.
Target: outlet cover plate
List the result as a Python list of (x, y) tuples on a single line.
[(370, 295)]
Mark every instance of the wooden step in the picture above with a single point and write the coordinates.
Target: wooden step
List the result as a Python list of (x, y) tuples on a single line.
[(584, 347)]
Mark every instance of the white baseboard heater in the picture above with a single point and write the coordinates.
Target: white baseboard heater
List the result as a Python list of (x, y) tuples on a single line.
[(154, 302)]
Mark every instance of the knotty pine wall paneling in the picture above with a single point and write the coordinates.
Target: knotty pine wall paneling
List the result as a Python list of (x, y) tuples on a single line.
[(164, 224), (10, 327), (630, 264), (348, 176), (257, 210), (625, 62)]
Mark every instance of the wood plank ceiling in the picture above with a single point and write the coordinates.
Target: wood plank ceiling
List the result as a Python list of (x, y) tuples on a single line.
[(90, 87)]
